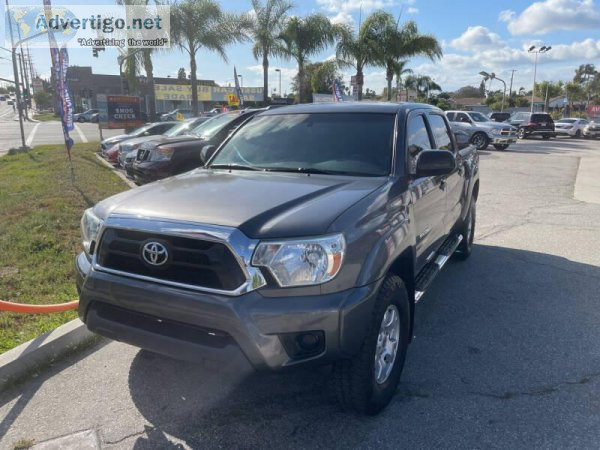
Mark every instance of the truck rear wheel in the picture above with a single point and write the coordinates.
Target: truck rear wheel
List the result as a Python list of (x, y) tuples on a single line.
[(367, 383), (501, 146)]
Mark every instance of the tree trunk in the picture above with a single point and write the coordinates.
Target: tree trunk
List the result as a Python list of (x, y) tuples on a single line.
[(265, 64), (194, 84), (148, 67), (389, 77), (301, 82), (359, 81)]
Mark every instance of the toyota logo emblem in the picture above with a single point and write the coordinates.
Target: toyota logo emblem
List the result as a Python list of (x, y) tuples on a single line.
[(155, 253)]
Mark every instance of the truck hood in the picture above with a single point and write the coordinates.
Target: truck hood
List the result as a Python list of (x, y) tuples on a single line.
[(491, 124), (262, 205)]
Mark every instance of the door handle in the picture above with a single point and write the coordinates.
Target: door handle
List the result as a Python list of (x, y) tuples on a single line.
[(443, 185)]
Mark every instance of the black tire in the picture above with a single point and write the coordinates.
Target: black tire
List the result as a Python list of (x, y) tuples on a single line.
[(80, 119), (521, 133), (467, 230), (577, 134), (501, 146), (480, 141), (546, 137), (354, 379)]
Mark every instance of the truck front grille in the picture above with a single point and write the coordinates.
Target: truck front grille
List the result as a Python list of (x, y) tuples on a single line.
[(194, 262), (508, 132)]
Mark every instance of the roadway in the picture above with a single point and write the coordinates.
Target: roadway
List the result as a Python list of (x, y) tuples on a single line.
[(506, 353), (42, 132)]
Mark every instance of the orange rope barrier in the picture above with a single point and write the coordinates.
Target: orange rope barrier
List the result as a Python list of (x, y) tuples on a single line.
[(37, 309)]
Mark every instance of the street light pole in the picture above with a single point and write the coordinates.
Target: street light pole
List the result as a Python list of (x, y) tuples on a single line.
[(279, 71), (512, 73), (532, 49), (493, 76)]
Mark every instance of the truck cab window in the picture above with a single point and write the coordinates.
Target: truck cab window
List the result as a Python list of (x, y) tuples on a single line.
[(440, 132), (417, 140)]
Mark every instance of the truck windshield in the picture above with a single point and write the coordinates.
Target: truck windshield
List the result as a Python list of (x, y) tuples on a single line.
[(478, 117), (332, 143)]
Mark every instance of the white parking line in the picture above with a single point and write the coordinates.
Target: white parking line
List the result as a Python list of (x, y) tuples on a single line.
[(32, 134), (80, 133)]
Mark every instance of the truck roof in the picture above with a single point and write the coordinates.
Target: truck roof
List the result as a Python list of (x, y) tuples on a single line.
[(347, 107)]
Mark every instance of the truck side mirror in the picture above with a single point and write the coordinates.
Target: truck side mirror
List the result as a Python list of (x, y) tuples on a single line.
[(433, 163), (206, 153)]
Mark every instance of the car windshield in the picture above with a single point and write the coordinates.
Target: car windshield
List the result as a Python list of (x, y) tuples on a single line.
[(179, 129), (345, 144), (213, 125), (567, 121), (478, 117), (141, 129)]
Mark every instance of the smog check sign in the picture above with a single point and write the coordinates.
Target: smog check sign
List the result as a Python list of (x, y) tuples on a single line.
[(123, 111)]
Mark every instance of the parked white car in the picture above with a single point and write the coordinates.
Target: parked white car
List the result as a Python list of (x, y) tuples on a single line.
[(570, 126), (592, 130)]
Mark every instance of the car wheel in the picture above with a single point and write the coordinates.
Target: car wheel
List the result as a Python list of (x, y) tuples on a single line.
[(521, 133), (80, 119), (577, 134), (480, 140), (367, 383), (546, 137), (501, 146), (467, 231)]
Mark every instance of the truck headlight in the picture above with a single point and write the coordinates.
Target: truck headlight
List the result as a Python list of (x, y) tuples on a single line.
[(90, 225), (302, 262), (496, 131), (161, 154)]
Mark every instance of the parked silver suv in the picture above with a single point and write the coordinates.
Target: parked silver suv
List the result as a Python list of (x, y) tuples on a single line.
[(482, 130)]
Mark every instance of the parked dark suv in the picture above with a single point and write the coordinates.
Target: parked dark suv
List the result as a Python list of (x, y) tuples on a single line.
[(307, 238), (499, 116), (533, 124), (173, 155)]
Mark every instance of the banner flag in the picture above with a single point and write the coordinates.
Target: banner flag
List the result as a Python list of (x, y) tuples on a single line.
[(337, 91), (238, 89)]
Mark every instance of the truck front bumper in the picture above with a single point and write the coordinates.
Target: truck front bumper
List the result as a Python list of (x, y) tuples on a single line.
[(183, 324), (503, 140)]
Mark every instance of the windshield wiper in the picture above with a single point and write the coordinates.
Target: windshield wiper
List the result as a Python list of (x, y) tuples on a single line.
[(232, 167), (309, 170)]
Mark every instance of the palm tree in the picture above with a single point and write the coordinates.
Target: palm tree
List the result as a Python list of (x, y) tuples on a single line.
[(357, 49), (399, 70), (141, 58), (197, 24), (425, 84), (304, 37), (411, 82), (267, 25), (394, 43)]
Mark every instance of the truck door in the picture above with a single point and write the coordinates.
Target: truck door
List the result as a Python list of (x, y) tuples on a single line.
[(455, 181), (429, 197)]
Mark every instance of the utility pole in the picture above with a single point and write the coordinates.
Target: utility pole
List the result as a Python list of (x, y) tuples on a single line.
[(16, 75), (512, 73)]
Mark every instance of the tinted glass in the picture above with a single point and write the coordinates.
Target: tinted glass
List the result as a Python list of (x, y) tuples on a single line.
[(541, 118), (344, 143), (440, 132), (417, 140), (462, 117), (450, 116), (567, 121)]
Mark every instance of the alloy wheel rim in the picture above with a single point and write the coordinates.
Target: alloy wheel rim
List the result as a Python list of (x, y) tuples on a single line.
[(387, 344), (478, 141)]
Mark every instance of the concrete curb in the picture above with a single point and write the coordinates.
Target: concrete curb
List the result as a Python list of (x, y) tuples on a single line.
[(587, 183), (130, 183), (27, 357)]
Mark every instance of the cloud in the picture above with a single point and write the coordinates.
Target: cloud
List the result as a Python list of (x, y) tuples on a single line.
[(412, 10), (476, 38), (287, 74), (343, 17), (552, 15), (355, 5)]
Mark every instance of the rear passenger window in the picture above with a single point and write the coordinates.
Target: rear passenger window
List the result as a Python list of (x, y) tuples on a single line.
[(417, 140), (440, 132), (450, 116)]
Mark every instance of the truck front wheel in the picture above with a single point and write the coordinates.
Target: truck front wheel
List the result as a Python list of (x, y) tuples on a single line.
[(368, 382), (501, 146), (467, 230), (480, 140)]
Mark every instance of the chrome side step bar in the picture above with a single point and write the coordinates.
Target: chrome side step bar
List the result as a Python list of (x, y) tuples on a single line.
[(430, 271)]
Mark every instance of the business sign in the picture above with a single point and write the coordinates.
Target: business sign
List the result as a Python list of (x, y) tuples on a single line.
[(183, 92), (233, 100), (119, 111), (593, 110)]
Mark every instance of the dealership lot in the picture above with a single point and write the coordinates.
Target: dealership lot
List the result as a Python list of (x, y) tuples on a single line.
[(506, 353)]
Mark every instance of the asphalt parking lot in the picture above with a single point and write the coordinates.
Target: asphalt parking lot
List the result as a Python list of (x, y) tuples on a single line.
[(506, 354)]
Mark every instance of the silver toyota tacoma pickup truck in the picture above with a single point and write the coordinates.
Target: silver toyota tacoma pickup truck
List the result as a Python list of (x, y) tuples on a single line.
[(482, 130), (307, 238)]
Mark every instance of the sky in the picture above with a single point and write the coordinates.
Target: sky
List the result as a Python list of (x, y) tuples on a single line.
[(475, 36)]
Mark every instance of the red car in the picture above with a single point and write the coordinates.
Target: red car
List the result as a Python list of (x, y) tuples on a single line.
[(112, 154)]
